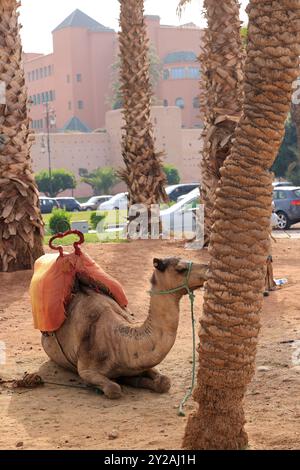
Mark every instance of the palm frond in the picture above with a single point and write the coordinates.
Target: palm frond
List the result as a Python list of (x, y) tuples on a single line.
[(181, 6)]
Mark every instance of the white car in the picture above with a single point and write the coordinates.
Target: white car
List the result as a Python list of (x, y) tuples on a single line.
[(94, 202), (181, 217), (117, 202), (176, 191)]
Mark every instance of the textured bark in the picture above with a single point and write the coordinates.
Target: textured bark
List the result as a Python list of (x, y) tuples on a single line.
[(240, 236), (143, 172), (221, 93), (21, 227)]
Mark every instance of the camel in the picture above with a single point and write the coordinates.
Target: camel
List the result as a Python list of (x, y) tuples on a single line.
[(105, 345)]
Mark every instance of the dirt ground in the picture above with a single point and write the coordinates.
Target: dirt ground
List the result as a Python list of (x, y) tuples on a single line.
[(68, 418)]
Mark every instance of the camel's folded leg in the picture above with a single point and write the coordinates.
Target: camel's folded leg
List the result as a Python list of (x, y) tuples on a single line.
[(110, 389), (150, 379)]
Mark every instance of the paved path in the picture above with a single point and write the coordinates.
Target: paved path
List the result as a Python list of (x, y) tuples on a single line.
[(294, 234)]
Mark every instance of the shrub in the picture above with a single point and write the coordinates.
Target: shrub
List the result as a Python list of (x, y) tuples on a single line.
[(172, 174), (60, 221), (95, 219), (60, 181)]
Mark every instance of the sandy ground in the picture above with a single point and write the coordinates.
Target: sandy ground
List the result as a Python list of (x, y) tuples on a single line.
[(67, 418)]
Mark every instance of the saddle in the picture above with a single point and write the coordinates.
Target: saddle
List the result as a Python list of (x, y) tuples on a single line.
[(54, 278)]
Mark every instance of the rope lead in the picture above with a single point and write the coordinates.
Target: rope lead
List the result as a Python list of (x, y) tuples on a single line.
[(190, 390), (192, 301)]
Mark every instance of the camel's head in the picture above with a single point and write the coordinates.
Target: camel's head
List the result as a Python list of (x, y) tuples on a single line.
[(171, 273)]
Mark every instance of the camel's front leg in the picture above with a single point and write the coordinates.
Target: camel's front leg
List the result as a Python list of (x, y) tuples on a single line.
[(110, 389), (150, 379)]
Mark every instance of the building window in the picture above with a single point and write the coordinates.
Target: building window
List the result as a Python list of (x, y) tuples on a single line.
[(47, 97), (68, 79), (166, 103), (43, 97), (29, 76), (79, 77), (50, 70), (51, 96), (80, 104), (37, 74), (194, 72), (70, 105), (41, 72), (32, 75), (166, 74), (38, 99), (178, 73), (196, 102), (179, 102)]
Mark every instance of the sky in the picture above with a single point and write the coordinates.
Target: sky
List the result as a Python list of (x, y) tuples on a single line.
[(40, 17)]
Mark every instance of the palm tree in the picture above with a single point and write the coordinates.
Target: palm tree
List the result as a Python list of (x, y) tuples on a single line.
[(240, 235), (221, 92), (21, 227), (143, 171)]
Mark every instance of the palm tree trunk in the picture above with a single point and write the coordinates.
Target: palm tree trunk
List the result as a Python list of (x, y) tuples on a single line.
[(21, 227), (240, 235), (143, 171), (221, 93)]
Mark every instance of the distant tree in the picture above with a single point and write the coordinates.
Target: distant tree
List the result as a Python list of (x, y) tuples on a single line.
[(286, 162), (172, 174), (83, 172), (61, 180), (244, 34), (101, 180), (155, 71)]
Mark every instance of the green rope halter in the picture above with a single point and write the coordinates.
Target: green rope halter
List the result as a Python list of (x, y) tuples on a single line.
[(191, 295)]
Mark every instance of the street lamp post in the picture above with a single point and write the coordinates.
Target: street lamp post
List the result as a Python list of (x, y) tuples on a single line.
[(50, 121)]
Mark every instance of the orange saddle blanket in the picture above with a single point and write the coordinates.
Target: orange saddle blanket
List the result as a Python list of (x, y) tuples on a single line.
[(52, 283)]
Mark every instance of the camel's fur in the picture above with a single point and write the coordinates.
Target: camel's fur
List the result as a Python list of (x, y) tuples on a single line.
[(105, 344)]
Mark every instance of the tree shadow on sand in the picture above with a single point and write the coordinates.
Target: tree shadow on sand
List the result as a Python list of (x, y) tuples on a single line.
[(53, 412), (13, 286)]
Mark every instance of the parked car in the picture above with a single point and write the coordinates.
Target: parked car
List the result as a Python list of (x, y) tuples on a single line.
[(47, 204), (119, 201), (174, 218), (69, 204), (287, 204), (178, 190), (277, 184), (94, 202)]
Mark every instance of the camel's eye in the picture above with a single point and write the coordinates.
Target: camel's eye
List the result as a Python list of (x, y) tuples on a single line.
[(181, 269)]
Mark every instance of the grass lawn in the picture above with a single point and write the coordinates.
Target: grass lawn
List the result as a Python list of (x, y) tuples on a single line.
[(111, 217), (88, 238)]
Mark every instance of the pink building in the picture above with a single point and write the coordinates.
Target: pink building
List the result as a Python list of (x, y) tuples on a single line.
[(75, 80)]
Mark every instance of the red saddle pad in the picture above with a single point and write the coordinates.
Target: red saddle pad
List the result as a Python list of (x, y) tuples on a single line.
[(52, 283)]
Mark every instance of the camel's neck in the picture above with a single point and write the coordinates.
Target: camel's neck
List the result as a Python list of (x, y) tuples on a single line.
[(149, 343)]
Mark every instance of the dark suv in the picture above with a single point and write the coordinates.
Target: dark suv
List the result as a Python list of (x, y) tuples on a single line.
[(47, 205), (69, 204), (287, 206)]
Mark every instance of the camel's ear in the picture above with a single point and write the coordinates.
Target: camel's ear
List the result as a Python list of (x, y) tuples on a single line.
[(159, 264)]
